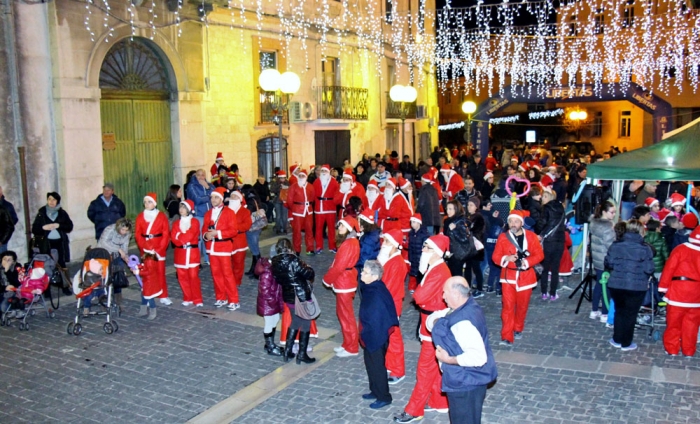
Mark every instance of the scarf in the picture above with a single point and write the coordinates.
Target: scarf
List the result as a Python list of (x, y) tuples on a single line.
[(52, 213)]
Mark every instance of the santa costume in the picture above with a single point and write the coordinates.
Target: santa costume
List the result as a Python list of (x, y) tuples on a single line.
[(299, 203), (240, 242), (680, 281), (429, 298), (342, 278), (394, 212), (223, 221), (516, 282), (325, 188), (549, 178), (490, 162), (219, 161), (650, 202), (566, 265), (453, 182), (373, 195), (185, 237), (394, 278), (152, 234), (349, 187)]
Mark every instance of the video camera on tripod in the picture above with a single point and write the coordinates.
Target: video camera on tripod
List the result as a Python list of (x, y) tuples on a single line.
[(589, 198)]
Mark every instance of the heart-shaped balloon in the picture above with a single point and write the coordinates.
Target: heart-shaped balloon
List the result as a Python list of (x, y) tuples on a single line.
[(520, 180)]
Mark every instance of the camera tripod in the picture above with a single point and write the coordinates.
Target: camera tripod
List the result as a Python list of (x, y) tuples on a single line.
[(586, 285)]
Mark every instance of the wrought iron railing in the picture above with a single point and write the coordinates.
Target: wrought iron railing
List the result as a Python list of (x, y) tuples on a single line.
[(336, 102), (393, 109), (268, 100)]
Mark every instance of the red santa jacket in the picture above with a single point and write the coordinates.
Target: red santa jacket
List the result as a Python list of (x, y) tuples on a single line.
[(151, 284), (342, 275), (395, 271), (525, 277), (153, 237), (547, 180), (325, 197), (186, 250), (300, 199), (683, 262), (428, 294), (243, 223), (490, 163), (395, 215), (356, 189), (226, 229), (453, 185)]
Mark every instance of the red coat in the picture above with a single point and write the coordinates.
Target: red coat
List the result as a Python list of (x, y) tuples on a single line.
[(454, 184), (428, 294), (227, 229), (300, 199), (159, 229), (342, 275), (683, 262), (491, 163), (395, 271), (325, 199), (186, 244), (524, 278), (243, 223), (342, 199), (151, 283), (395, 216)]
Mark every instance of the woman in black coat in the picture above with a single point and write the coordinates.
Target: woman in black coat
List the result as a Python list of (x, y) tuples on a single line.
[(428, 206), (455, 227), (51, 227), (477, 227)]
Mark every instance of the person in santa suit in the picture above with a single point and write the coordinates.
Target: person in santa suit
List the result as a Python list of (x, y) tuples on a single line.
[(394, 212), (407, 192), (185, 238), (548, 179), (152, 234), (240, 243), (395, 272), (491, 163), (219, 163), (326, 189), (349, 187), (299, 202), (680, 281), (372, 195), (342, 278), (428, 297), (517, 275), (150, 285), (453, 182), (218, 231)]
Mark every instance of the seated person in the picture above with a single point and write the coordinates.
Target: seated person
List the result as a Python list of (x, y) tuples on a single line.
[(9, 282)]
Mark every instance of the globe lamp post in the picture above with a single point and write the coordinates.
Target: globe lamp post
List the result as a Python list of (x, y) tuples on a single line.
[(283, 86), (403, 95)]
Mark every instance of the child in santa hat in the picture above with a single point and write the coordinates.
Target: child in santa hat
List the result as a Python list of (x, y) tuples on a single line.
[(654, 207), (677, 205)]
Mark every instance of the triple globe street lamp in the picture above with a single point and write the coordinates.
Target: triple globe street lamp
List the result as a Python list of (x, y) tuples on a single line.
[(283, 86), (469, 107), (403, 95)]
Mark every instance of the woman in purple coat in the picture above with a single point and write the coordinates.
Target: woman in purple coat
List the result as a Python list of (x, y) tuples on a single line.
[(270, 304)]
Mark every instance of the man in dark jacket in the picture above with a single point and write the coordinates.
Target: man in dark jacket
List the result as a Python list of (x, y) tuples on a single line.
[(407, 168), (106, 209), (7, 227), (378, 319), (477, 170), (9, 206), (550, 228), (428, 205)]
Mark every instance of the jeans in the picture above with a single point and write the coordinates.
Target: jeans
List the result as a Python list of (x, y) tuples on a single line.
[(598, 293), (202, 249), (269, 207), (150, 302), (626, 209), (87, 300), (465, 407), (281, 217), (474, 264), (253, 238)]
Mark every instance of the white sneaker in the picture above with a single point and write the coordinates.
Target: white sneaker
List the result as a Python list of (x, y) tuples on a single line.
[(199, 305), (234, 306), (186, 303), (220, 303), (338, 349), (604, 318), (345, 354), (595, 315), (165, 301)]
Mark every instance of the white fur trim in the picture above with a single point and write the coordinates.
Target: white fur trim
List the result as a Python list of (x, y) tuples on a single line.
[(434, 247)]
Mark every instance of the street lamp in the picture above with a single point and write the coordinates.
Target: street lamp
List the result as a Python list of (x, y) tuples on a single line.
[(284, 86), (469, 107), (577, 118), (403, 95)]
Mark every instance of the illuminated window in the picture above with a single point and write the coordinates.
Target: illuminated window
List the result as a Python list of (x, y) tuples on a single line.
[(599, 21), (625, 123), (628, 14)]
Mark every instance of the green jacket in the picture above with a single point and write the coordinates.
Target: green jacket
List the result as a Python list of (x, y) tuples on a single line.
[(656, 240)]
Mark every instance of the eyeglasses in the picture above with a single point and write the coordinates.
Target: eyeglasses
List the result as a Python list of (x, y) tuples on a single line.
[(426, 246)]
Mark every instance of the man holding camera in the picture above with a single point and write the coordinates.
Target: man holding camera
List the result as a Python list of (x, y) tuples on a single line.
[(517, 251)]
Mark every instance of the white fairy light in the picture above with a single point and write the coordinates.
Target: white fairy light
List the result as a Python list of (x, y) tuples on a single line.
[(88, 16)]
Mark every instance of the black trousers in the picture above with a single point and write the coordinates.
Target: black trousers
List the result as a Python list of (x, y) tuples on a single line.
[(376, 373), (552, 258), (455, 265), (627, 304), (465, 407), (474, 265)]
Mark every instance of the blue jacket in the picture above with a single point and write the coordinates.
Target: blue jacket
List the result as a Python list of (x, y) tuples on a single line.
[(370, 243), (200, 196), (102, 215), (377, 315), (630, 262), (493, 230), (456, 378), (415, 247)]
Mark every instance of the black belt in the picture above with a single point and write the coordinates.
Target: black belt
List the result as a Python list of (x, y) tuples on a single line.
[(302, 203), (682, 279), (325, 198), (184, 247), (150, 236), (391, 219), (225, 239)]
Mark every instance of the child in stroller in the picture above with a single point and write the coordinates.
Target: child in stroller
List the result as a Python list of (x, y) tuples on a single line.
[(33, 283), (9, 282)]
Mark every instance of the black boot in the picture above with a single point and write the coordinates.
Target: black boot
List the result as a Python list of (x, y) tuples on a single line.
[(251, 271), (270, 346), (303, 356), (291, 336)]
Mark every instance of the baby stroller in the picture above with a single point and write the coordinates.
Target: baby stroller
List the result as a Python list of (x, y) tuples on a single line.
[(92, 286), (30, 295), (652, 314)]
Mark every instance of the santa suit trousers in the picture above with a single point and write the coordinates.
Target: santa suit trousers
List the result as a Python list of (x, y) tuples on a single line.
[(287, 321), (329, 220), (395, 353), (160, 275), (237, 266), (515, 304), (681, 330), (412, 282), (190, 284), (428, 383), (307, 223), (348, 324), (222, 273)]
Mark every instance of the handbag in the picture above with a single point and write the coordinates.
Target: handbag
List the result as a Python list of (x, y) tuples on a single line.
[(259, 219), (307, 310), (463, 249)]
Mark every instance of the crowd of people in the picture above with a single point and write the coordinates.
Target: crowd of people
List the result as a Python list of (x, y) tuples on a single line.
[(433, 230)]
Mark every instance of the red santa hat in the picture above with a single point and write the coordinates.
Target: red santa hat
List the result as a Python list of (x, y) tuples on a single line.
[(488, 175), (237, 194), (524, 166), (348, 174), (404, 183), (391, 181), (417, 218), (293, 168), (350, 223), (552, 169), (325, 167), (188, 204), (689, 220), (302, 172), (433, 172), (281, 174), (153, 197), (372, 184), (394, 237), (490, 153), (446, 168), (219, 156), (536, 166), (367, 215), (694, 237), (439, 243), (219, 191), (518, 214), (677, 199), (663, 214), (650, 201)]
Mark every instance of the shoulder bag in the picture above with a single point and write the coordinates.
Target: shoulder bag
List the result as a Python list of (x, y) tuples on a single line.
[(259, 218), (307, 310)]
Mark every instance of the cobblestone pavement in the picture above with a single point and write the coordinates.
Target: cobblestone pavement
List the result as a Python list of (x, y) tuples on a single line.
[(187, 361)]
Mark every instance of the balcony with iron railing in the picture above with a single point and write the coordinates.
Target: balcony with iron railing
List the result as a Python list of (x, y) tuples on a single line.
[(346, 103), (393, 109), (268, 99)]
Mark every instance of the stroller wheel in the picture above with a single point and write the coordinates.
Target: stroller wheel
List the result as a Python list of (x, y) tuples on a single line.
[(116, 326), (77, 329), (21, 326), (52, 314), (26, 327), (108, 328), (69, 329), (32, 313)]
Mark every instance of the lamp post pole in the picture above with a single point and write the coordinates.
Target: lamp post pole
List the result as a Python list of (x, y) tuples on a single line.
[(469, 107)]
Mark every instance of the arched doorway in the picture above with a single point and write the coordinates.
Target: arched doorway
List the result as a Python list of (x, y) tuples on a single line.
[(272, 153), (135, 117)]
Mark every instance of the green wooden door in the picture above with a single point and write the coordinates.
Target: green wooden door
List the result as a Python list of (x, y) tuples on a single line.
[(141, 162)]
